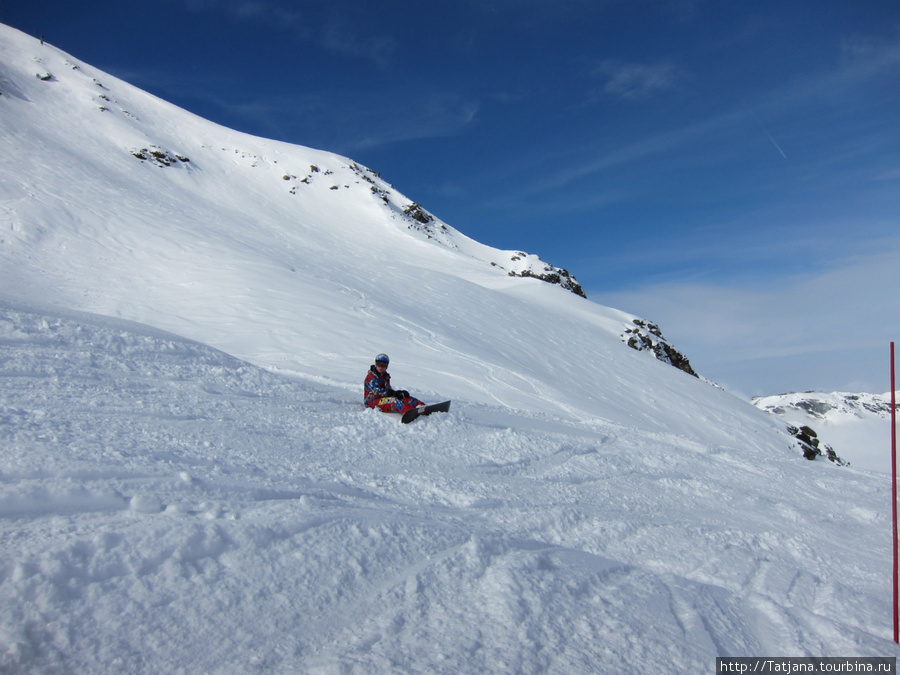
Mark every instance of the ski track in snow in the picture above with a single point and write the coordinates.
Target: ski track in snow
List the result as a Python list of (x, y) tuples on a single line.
[(165, 507)]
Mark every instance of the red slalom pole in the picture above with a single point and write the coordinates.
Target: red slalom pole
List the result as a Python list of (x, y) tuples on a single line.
[(894, 488)]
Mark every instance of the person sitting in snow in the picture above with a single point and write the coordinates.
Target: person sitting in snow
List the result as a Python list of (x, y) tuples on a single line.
[(379, 393)]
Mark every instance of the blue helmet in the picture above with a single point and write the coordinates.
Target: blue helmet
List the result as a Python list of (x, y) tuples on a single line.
[(383, 358)]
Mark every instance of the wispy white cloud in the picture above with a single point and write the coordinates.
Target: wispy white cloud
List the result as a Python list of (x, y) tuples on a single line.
[(638, 81), (408, 116), (560, 166), (268, 11), (321, 119), (372, 121), (871, 50), (722, 134), (339, 38), (334, 34)]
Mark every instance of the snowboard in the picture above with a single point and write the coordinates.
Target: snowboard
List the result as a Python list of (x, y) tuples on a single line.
[(410, 415)]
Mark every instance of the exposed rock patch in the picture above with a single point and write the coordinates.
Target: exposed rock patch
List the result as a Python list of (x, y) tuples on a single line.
[(812, 448), (646, 336), (159, 156)]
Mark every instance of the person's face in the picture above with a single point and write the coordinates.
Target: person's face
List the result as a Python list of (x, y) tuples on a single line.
[(381, 366)]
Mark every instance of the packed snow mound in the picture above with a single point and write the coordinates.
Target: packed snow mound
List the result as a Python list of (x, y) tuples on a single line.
[(165, 507), (856, 425), (115, 202)]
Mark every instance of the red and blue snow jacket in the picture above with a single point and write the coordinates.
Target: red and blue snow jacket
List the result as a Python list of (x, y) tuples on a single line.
[(380, 395), (378, 386)]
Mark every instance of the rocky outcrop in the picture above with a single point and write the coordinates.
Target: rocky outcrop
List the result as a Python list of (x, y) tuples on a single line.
[(530, 266), (159, 156), (812, 448), (646, 336)]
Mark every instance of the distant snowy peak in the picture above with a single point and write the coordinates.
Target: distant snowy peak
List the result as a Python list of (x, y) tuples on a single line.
[(856, 424), (831, 407)]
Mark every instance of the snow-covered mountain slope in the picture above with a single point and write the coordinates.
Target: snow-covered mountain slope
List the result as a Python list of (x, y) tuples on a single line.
[(857, 426), (584, 507), (118, 203), (165, 507)]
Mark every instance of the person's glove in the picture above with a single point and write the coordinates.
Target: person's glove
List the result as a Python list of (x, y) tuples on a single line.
[(402, 393)]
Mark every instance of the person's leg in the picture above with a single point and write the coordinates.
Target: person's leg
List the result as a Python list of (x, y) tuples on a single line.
[(408, 403)]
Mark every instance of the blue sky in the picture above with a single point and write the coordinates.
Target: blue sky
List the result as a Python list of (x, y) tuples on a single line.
[(729, 169)]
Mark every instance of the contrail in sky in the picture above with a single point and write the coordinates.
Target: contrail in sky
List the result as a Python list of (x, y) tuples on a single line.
[(766, 132), (777, 147)]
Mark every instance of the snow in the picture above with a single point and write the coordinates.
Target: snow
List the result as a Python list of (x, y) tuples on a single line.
[(167, 507), (189, 481)]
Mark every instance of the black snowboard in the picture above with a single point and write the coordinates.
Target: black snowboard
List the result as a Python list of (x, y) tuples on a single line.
[(410, 415)]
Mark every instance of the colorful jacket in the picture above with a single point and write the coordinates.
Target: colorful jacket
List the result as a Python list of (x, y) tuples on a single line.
[(378, 386)]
